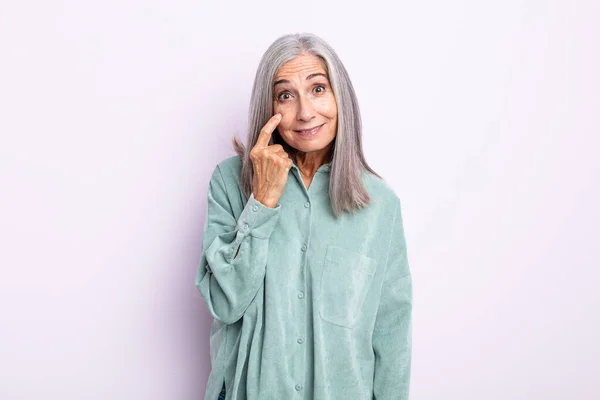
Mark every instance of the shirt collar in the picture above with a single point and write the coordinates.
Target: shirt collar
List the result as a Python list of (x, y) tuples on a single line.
[(323, 168)]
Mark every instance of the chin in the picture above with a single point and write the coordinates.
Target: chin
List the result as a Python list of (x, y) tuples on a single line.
[(312, 146)]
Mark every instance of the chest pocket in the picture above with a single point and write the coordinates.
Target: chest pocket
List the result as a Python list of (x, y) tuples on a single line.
[(345, 282)]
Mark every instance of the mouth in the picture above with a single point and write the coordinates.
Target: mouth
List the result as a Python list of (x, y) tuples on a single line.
[(310, 131)]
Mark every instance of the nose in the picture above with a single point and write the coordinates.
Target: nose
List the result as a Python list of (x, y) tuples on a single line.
[(305, 110)]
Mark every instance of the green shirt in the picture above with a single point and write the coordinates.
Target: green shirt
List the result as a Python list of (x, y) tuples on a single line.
[(313, 306)]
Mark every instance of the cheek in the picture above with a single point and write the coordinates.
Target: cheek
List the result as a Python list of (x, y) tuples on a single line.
[(283, 124), (328, 107), (287, 120), (283, 109)]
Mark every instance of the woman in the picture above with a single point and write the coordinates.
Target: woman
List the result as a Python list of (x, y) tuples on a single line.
[(304, 264)]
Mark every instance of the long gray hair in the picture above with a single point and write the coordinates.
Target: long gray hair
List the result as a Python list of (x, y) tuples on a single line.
[(346, 189)]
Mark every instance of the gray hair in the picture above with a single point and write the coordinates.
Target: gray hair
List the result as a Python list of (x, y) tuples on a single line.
[(346, 189)]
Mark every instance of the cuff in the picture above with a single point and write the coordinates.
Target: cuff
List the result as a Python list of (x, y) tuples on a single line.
[(258, 220)]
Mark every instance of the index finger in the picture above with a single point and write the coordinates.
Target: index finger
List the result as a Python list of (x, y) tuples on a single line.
[(265, 132)]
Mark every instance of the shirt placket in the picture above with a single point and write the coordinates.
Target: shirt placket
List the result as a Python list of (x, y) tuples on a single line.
[(300, 341)]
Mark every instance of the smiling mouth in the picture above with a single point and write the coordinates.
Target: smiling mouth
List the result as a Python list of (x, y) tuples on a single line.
[(310, 130)]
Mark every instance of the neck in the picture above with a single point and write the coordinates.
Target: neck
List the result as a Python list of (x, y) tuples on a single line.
[(309, 162)]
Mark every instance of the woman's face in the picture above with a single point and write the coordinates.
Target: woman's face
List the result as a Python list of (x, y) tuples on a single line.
[(304, 98)]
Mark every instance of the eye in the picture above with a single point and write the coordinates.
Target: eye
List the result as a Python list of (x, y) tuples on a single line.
[(284, 96), (319, 89)]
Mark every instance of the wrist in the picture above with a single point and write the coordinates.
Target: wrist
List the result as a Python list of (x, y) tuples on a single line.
[(267, 202)]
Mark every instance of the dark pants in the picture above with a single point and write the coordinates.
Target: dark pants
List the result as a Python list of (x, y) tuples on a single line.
[(222, 394)]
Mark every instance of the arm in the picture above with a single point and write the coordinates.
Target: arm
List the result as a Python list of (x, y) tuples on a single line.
[(227, 280), (392, 334)]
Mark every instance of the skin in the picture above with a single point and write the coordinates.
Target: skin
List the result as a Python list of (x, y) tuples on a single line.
[(305, 99), (302, 99), (271, 166)]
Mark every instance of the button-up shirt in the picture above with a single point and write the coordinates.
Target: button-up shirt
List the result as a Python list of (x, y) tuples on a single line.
[(313, 306)]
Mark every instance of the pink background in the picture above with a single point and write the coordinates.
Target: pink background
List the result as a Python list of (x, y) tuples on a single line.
[(484, 117)]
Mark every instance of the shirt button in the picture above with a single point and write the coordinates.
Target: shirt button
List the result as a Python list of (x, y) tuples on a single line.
[(245, 226), (300, 340), (307, 204), (301, 295), (298, 387), (255, 208), (303, 247)]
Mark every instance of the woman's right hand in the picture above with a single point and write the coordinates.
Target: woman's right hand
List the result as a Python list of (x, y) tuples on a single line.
[(271, 166)]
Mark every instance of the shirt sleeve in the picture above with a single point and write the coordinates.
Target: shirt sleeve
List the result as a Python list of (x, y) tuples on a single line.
[(392, 333), (227, 283)]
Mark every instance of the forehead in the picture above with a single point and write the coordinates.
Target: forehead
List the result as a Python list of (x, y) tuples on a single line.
[(302, 65)]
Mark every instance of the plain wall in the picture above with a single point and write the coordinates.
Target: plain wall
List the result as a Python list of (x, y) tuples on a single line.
[(483, 116)]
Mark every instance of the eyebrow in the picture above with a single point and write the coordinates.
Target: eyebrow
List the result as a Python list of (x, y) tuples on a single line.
[(277, 82)]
